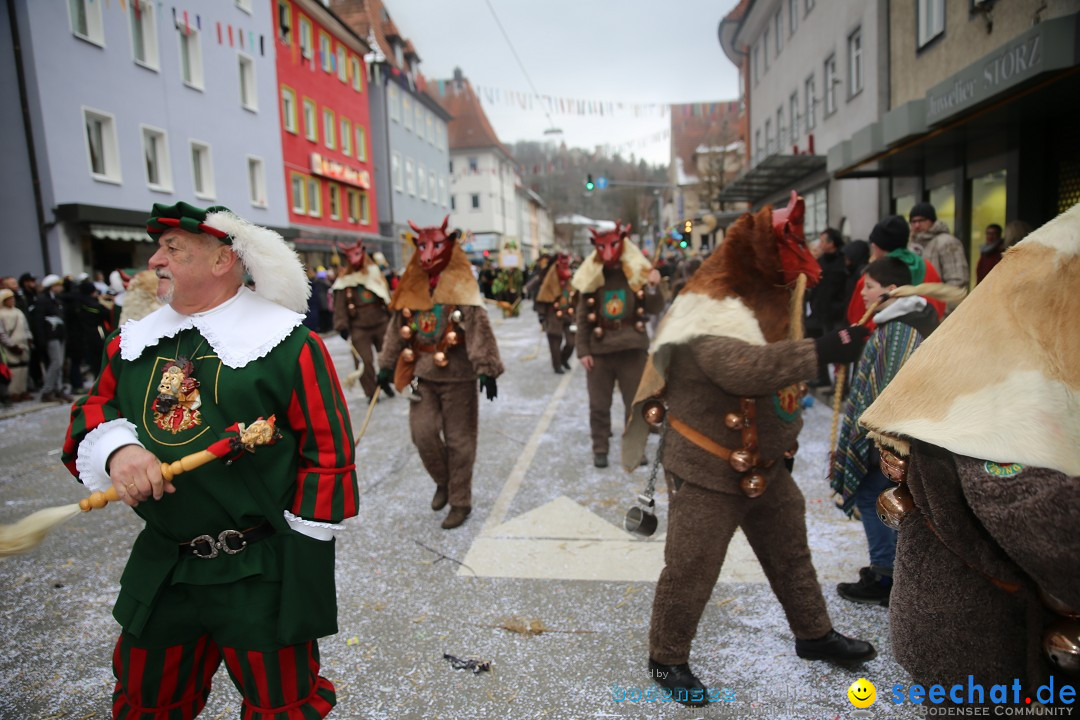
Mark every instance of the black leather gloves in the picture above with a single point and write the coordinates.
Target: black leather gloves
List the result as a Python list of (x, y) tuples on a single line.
[(488, 385), (842, 346), (384, 379)]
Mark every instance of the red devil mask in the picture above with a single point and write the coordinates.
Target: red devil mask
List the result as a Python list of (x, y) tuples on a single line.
[(795, 257), (434, 247), (354, 254), (562, 267), (609, 245)]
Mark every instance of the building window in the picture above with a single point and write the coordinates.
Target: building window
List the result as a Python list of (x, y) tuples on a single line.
[(299, 201), (778, 31), (475, 199), (406, 111), (311, 127), (931, 20), (365, 209), (811, 103), (419, 120), (284, 18), (244, 5), (421, 181), (326, 53), (335, 201), (392, 101), (329, 123), (817, 212), (395, 170), (754, 62), (101, 145), (144, 46), (346, 137), (156, 156), (249, 96), (855, 66), (793, 15), (809, 6), (793, 113), (831, 81), (430, 120), (781, 131), (768, 138), (757, 145), (474, 165), (305, 38), (256, 181), (410, 177), (453, 203), (86, 20), (314, 197), (433, 188), (351, 203), (288, 109), (191, 65), (442, 190), (765, 50), (354, 69), (361, 143), (202, 170), (342, 65)]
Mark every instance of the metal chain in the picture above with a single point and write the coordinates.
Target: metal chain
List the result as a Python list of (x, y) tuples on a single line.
[(650, 488)]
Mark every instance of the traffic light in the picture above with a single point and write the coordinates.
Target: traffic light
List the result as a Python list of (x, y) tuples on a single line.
[(589, 184), (688, 227)]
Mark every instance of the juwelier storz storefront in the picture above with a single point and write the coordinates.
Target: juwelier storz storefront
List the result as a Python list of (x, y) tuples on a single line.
[(995, 142)]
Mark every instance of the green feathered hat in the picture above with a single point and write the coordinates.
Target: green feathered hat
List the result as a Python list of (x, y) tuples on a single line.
[(274, 266)]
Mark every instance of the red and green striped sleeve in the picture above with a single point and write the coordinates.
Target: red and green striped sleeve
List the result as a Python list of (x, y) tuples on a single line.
[(96, 408), (326, 485)]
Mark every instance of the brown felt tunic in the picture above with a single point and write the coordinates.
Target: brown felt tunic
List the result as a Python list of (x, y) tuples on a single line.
[(969, 560), (366, 323), (706, 378), (557, 328)]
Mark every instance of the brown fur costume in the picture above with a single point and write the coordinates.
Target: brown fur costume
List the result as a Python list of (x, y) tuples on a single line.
[(557, 316), (444, 422), (723, 339), (988, 412), (360, 299)]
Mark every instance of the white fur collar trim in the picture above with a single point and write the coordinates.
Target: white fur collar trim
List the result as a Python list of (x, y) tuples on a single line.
[(900, 307), (589, 277), (694, 315), (369, 277), (240, 330)]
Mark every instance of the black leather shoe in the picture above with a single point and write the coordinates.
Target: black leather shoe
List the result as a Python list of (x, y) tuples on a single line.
[(438, 502), (599, 460), (834, 647), (680, 680), (559, 371)]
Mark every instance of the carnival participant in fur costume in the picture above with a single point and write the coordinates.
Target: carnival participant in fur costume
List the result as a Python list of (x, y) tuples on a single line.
[(556, 304), (140, 298), (440, 337), (729, 376), (236, 561), (618, 291), (982, 428), (360, 314)]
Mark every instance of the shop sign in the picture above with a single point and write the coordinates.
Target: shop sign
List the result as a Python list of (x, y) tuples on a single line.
[(1050, 45), (325, 167)]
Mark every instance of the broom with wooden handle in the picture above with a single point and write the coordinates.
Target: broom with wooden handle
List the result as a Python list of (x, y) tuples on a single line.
[(31, 530), (935, 291)]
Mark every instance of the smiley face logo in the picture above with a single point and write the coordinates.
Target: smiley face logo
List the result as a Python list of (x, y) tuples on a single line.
[(862, 693)]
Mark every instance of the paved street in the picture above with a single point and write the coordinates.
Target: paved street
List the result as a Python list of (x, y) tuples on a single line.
[(541, 581)]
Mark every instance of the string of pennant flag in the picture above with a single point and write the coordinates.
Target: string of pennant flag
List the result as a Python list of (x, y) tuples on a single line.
[(556, 105)]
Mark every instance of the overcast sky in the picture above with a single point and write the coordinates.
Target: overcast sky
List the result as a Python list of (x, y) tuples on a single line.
[(628, 51)]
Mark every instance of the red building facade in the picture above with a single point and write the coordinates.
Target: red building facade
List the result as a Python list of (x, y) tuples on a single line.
[(325, 127)]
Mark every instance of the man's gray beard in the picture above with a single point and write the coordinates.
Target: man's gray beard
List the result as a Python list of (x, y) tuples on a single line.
[(167, 297)]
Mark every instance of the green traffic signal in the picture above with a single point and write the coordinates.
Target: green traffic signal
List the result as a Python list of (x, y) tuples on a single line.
[(589, 184)]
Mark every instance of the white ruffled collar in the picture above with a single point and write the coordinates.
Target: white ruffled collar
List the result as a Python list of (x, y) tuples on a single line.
[(244, 328)]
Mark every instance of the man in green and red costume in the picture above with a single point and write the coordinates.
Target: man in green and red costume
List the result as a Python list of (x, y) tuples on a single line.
[(236, 562), (440, 336)]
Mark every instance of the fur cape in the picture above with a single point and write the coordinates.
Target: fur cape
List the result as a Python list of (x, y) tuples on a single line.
[(370, 276), (550, 289), (457, 285), (999, 380), (589, 277), (733, 294), (140, 299), (276, 269)]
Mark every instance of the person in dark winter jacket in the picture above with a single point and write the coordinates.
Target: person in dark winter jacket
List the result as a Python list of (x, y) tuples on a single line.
[(47, 324), (856, 257), (826, 300)]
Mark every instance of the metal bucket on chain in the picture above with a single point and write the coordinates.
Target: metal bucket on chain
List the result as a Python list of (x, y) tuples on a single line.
[(641, 519)]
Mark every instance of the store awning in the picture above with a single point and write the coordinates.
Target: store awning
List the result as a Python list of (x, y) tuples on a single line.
[(770, 176), (125, 233)]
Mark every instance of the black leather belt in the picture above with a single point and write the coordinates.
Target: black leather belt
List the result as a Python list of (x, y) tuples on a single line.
[(229, 542)]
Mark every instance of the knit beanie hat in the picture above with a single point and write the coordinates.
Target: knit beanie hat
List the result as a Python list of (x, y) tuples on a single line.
[(891, 233), (923, 210)]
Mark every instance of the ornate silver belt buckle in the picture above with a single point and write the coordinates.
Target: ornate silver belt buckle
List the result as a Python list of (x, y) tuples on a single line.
[(223, 544), (197, 545)]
